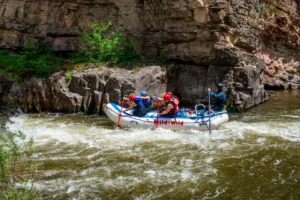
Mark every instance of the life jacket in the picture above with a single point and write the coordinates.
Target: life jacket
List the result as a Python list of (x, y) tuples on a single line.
[(221, 99), (175, 102), (147, 103), (139, 102)]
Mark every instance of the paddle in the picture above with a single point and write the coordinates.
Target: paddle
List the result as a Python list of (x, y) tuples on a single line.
[(158, 104), (120, 114), (209, 122)]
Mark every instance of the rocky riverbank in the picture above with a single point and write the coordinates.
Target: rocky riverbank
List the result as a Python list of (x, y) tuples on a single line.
[(89, 89)]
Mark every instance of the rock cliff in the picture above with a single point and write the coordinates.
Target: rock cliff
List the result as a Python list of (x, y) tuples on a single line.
[(242, 43)]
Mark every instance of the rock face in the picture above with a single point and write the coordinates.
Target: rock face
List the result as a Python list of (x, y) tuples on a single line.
[(243, 79), (221, 40), (281, 48), (87, 90)]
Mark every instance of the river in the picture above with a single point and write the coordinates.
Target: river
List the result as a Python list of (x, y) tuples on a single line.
[(254, 156)]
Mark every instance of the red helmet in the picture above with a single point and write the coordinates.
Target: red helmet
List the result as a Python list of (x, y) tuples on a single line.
[(169, 93), (167, 97), (132, 97)]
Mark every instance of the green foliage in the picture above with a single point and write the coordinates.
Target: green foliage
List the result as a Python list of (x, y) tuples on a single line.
[(269, 8), (79, 69), (69, 75), (78, 57), (34, 60), (116, 67), (11, 64), (13, 77), (254, 14), (37, 60), (263, 8), (233, 109), (163, 59), (137, 68), (17, 171), (85, 110), (105, 45)]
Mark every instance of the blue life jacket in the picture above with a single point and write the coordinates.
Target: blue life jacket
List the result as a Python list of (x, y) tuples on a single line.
[(147, 103), (220, 99), (139, 102), (140, 109)]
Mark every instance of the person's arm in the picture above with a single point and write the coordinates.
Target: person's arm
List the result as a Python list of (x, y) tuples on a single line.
[(130, 107), (169, 107), (220, 95), (212, 94), (146, 97)]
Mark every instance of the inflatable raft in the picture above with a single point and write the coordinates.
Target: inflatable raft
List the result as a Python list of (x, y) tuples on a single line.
[(184, 119)]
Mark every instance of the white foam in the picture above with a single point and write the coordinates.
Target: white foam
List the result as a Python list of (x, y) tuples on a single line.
[(261, 140), (191, 154), (292, 116)]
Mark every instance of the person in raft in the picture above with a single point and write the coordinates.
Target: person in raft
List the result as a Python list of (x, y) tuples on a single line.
[(147, 100), (136, 102), (174, 98), (171, 108), (219, 97)]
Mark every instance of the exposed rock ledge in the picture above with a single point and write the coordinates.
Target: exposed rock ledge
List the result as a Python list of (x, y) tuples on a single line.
[(89, 89)]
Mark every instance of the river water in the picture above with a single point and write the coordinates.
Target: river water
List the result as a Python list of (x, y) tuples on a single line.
[(254, 156)]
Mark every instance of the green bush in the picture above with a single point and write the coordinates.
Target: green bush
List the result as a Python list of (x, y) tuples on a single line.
[(33, 60), (17, 171), (163, 59), (37, 60), (78, 57), (103, 45), (233, 109)]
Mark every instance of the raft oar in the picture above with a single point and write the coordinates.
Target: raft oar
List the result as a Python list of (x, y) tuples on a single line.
[(120, 114), (209, 122), (158, 104)]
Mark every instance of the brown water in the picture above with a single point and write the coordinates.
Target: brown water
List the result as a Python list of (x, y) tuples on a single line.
[(254, 156)]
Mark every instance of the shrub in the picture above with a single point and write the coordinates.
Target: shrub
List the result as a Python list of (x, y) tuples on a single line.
[(163, 59), (17, 171), (103, 45), (34, 60)]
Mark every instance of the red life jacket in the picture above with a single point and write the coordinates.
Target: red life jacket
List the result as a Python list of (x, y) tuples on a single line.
[(175, 102)]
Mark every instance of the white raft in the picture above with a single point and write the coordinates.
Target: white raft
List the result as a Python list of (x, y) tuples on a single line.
[(183, 120)]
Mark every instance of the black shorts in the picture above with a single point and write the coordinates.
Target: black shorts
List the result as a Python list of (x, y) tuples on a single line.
[(140, 112)]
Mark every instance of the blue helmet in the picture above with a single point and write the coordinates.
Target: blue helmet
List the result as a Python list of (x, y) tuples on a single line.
[(143, 93), (220, 87)]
